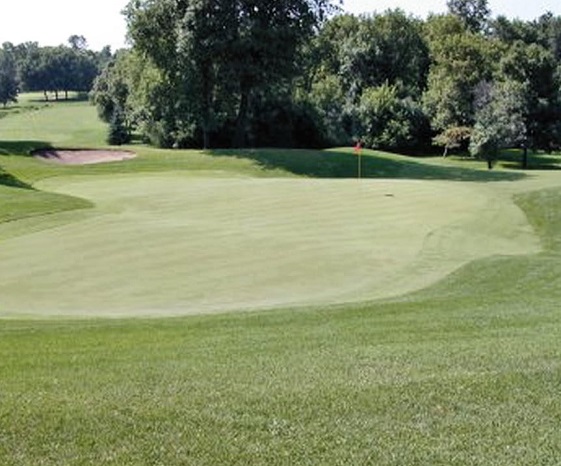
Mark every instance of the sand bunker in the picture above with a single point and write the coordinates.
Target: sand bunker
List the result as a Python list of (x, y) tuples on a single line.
[(82, 156)]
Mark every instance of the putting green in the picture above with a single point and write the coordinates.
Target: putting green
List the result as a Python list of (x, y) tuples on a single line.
[(170, 244)]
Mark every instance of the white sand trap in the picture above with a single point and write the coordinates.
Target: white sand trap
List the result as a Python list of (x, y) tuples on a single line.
[(82, 156)]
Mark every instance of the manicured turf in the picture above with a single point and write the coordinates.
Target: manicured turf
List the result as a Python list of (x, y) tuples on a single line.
[(465, 371), (170, 244)]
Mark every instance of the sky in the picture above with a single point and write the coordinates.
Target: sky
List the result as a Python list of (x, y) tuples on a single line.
[(52, 22)]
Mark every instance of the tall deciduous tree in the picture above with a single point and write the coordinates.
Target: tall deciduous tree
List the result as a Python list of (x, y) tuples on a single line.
[(385, 48), (125, 89), (56, 69), (249, 44), (510, 31), (535, 67), (474, 13), (9, 87), (78, 42), (390, 121), (461, 60), (369, 55), (500, 119), (549, 33)]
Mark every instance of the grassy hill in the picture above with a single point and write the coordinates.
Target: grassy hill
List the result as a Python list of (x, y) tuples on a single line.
[(408, 318)]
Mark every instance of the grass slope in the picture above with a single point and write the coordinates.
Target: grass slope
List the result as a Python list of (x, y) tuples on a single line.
[(20, 203), (464, 372), (458, 374)]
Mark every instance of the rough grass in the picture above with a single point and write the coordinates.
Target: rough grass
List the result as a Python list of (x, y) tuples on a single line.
[(465, 372)]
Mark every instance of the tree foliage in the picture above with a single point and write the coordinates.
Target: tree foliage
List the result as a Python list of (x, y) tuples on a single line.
[(473, 13), (209, 73), (216, 57), (461, 59), (453, 137), (118, 131), (388, 120), (58, 69), (500, 120), (535, 69), (9, 86)]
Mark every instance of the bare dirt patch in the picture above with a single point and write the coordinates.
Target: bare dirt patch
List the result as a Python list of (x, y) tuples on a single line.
[(82, 156)]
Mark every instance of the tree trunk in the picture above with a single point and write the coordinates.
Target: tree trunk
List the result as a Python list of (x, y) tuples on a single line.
[(207, 102), (46, 96), (205, 139), (239, 138), (525, 158)]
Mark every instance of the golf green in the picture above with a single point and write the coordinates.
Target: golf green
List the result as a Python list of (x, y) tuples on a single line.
[(173, 244)]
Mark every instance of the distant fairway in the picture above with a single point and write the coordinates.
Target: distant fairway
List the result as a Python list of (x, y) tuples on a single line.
[(174, 244)]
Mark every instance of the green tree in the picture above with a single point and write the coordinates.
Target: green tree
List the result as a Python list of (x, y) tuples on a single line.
[(77, 42), (32, 73), (222, 48), (57, 69), (327, 97), (474, 13), (453, 137), (327, 86), (535, 68), (512, 30), (356, 54), (111, 87), (549, 34), (118, 131), (500, 120), (386, 48), (388, 121), (461, 59), (9, 86), (127, 86)]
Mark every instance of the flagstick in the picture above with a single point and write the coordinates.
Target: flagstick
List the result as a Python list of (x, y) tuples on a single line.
[(358, 153)]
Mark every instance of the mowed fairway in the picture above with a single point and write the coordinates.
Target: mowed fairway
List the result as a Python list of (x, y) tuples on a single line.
[(172, 244)]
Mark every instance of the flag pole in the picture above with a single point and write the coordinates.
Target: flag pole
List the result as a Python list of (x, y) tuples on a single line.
[(358, 152)]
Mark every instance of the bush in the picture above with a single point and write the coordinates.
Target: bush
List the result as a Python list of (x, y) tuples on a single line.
[(118, 131)]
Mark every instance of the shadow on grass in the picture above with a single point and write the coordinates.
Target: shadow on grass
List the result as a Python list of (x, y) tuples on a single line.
[(7, 179), (20, 149), (72, 97), (513, 159), (25, 108), (341, 163), (532, 166)]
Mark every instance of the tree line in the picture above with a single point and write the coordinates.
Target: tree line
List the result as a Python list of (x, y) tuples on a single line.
[(51, 70), (298, 73)]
